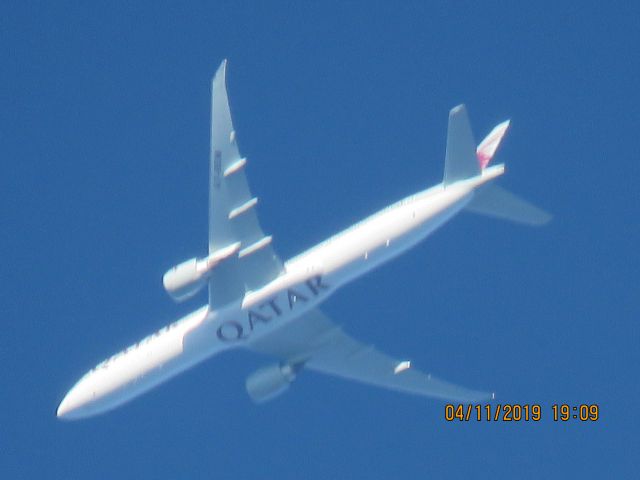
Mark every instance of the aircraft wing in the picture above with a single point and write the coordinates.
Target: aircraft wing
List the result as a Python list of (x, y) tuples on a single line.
[(232, 212), (316, 342)]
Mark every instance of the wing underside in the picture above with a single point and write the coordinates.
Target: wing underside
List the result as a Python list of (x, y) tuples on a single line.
[(232, 210), (316, 342)]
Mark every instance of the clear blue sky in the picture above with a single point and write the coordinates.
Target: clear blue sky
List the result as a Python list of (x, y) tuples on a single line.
[(341, 109)]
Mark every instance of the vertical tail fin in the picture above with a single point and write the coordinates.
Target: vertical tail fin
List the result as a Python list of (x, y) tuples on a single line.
[(487, 148), (461, 161), (465, 160)]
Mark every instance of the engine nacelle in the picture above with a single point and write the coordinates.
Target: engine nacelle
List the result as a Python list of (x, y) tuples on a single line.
[(269, 382), (185, 280)]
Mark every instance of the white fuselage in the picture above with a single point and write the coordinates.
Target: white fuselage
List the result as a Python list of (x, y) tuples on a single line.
[(309, 279)]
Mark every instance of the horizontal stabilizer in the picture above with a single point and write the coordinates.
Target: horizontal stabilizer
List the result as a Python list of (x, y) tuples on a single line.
[(461, 161), (500, 203)]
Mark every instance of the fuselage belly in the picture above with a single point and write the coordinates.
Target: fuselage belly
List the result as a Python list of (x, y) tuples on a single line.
[(309, 279)]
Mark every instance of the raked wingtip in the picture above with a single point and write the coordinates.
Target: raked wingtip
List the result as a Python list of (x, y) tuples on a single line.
[(221, 71)]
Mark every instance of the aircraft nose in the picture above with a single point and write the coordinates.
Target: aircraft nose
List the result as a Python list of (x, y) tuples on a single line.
[(68, 405), (63, 408), (71, 405)]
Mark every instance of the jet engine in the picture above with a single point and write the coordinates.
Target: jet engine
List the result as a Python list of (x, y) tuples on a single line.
[(267, 383), (187, 278)]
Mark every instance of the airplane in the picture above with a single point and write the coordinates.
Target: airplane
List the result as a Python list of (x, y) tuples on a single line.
[(262, 304)]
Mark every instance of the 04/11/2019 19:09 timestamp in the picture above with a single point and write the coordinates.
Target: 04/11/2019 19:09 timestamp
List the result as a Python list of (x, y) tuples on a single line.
[(514, 412)]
